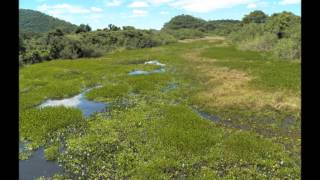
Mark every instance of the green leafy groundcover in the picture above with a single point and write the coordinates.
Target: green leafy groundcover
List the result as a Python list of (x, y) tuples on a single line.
[(36, 124), (149, 133), (172, 142)]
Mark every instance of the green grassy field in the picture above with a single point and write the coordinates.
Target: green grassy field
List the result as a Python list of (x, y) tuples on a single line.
[(152, 131)]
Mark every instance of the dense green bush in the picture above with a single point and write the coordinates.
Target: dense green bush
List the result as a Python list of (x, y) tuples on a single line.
[(281, 23), (255, 17), (247, 32), (222, 27), (186, 33), (83, 28), (265, 42), (184, 22), (57, 44), (280, 34), (287, 49), (186, 26)]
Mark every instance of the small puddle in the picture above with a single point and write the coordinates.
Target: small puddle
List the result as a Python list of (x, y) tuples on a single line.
[(37, 165), (208, 116), (288, 121), (138, 72), (169, 87), (78, 101), (154, 62), (215, 118)]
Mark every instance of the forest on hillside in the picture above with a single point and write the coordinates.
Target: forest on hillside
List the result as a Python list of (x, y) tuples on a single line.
[(31, 22), (279, 33)]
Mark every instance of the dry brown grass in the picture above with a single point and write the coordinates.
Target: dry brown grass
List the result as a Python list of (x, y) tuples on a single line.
[(212, 39), (230, 88)]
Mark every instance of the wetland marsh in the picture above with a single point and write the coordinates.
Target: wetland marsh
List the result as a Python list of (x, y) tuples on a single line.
[(153, 128)]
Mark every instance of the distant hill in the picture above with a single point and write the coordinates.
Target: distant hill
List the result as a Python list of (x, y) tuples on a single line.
[(184, 21), (37, 22), (187, 26)]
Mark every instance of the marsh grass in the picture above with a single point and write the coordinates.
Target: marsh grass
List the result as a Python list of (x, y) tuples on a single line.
[(270, 74), (36, 124), (51, 153), (150, 133), (172, 142)]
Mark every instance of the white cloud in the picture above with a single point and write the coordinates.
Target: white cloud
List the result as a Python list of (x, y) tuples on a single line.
[(94, 18), (158, 2), (59, 9), (203, 5), (252, 5), (62, 9), (139, 13), (207, 5), (113, 2), (138, 4), (95, 9), (258, 4), (164, 12), (286, 2)]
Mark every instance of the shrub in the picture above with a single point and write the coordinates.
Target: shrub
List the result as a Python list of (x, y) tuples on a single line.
[(287, 49), (281, 23), (260, 43), (183, 22), (247, 32), (186, 33), (255, 17)]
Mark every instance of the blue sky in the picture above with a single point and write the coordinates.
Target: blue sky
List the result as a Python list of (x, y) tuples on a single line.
[(152, 14)]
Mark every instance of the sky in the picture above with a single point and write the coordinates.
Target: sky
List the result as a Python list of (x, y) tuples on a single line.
[(152, 14)]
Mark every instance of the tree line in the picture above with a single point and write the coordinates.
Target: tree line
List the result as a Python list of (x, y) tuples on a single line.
[(279, 34), (83, 42)]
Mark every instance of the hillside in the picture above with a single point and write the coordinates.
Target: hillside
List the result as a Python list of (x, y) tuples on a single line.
[(187, 26), (37, 22)]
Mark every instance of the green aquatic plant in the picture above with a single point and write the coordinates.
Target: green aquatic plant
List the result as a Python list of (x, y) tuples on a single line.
[(148, 132), (36, 124), (51, 153)]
